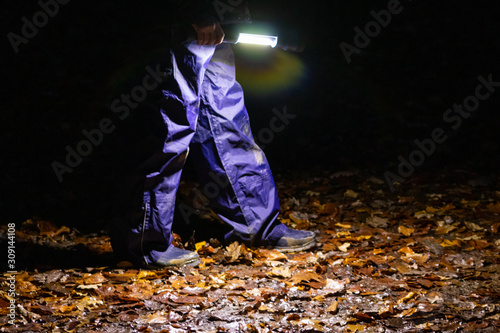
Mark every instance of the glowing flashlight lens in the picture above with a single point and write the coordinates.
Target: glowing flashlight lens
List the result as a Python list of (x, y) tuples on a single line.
[(257, 39)]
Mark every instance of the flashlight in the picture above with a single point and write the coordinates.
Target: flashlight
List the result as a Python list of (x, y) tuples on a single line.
[(257, 39), (245, 38), (253, 34), (260, 34)]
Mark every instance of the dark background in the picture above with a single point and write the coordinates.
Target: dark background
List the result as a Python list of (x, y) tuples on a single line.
[(357, 116)]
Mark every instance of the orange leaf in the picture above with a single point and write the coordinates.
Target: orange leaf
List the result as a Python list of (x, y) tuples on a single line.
[(273, 255), (333, 308), (448, 243), (178, 282), (67, 308), (407, 297), (406, 250), (306, 277), (352, 328), (432, 210), (448, 207), (405, 231), (94, 278), (481, 244), (407, 312), (444, 229)]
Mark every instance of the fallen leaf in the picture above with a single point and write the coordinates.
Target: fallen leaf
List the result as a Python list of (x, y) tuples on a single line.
[(177, 282), (301, 219), (47, 228), (306, 277), (88, 302), (334, 286), (406, 298), (233, 251), (283, 272), (167, 297), (151, 318), (205, 262), (407, 312), (344, 247), (267, 308), (235, 284), (423, 215), (432, 210), (444, 228), (363, 317), (377, 222), (94, 278), (426, 283), (329, 209), (147, 275), (494, 208), (193, 291), (266, 254), (405, 231), (352, 328), (139, 290), (406, 250), (351, 194), (473, 226), (449, 243), (199, 245), (25, 288), (89, 286), (481, 244), (66, 308), (293, 317), (333, 308)]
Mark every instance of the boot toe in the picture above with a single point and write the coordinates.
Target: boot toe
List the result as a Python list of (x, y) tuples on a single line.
[(175, 257), (295, 241)]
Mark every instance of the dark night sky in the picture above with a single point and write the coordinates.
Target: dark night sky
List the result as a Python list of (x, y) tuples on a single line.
[(357, 115)]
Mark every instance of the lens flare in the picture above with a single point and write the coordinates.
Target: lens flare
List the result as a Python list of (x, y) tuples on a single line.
[(268, 71)]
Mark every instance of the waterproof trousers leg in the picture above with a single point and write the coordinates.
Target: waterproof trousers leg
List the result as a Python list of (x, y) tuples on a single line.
[(204, 114)]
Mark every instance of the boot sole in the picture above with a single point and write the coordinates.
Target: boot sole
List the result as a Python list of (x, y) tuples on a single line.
[(192, 263), (297, 248)]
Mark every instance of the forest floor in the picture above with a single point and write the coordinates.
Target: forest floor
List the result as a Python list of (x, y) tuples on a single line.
[(422, 259)]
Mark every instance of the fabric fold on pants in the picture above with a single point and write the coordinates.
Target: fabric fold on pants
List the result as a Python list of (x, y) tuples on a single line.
[(205, 117)]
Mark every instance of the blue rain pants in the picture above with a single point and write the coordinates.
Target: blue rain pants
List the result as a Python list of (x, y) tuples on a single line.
[(205, 117)]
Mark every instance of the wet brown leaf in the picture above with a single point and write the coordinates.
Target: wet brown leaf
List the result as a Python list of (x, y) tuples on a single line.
[(273, 255), (235, 250), (282, 272), (94, 278), (333, 308), (308, 278), (494, 208)]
